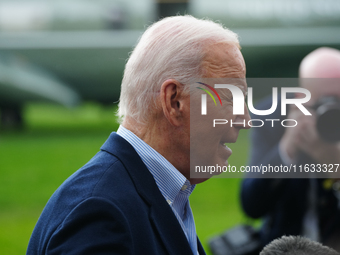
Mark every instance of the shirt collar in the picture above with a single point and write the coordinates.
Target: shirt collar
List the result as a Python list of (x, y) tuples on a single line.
[(168, 179)]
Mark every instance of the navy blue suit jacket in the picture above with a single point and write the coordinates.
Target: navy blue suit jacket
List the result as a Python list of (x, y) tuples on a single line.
[(282, 202), (112, 205)]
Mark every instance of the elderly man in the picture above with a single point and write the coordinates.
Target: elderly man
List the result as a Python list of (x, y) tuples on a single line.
[(308, 207), (132, 197)]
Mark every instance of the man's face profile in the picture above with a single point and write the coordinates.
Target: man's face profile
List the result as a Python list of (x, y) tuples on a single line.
[(223, 63)]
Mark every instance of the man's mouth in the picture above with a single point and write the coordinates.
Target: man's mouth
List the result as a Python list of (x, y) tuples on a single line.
[(226, 147)]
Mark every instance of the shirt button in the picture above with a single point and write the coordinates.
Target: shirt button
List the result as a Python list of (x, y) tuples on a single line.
[(184, 187), (169, 202)]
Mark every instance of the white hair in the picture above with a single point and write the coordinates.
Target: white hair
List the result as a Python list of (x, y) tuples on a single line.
[(172, 48)]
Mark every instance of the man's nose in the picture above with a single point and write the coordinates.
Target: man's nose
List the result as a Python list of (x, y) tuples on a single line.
[(242, 121)]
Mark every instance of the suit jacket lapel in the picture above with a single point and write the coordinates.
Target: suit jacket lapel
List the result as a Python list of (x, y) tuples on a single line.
[(200, 247), (169, 230), (161, 214)]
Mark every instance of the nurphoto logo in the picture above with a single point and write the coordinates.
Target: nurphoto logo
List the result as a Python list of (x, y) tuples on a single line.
[(239, 99)]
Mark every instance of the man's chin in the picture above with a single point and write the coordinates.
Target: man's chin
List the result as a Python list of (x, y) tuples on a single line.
[(205, 166)]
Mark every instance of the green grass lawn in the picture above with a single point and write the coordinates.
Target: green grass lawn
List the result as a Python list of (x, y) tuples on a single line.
[(56, 142)]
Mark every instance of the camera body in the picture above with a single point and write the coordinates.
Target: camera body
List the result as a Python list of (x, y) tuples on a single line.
[(328, 118)]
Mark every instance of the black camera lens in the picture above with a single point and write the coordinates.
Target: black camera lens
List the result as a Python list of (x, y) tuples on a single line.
[(328, 119)]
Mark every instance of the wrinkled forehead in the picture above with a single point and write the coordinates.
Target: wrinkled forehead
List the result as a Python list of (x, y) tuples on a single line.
[(223, 60)]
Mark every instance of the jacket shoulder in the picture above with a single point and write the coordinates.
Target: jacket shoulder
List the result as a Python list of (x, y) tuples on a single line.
[(103, 183)]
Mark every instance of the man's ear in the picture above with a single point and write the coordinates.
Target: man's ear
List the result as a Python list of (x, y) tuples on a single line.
[(172, 101)]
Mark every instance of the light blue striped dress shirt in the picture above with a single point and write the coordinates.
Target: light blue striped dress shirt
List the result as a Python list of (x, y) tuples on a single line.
[(174, 187)]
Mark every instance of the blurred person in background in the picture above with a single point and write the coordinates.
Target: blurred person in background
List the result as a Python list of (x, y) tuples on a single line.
[(296, 245), (132, 196), (308, 207)]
